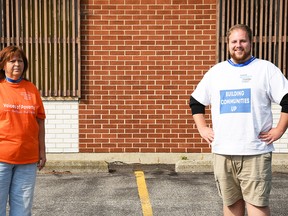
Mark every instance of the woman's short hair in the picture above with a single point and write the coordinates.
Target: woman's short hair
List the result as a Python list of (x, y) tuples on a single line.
[(8, 53)]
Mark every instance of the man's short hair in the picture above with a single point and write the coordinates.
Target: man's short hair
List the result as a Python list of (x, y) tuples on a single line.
[(240, 26)]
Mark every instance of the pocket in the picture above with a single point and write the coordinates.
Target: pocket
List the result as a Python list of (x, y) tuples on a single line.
[(267, 156), (218, 186)]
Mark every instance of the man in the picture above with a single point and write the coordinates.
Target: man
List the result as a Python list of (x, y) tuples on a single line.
[(240, 92)]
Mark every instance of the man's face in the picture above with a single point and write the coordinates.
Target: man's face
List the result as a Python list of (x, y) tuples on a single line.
[(239, 46)]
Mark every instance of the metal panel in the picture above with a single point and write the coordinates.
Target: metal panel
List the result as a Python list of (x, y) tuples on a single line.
[(49, 33), (268, 21)]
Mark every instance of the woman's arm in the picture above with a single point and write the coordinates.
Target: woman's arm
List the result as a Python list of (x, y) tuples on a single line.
[(42, 148)]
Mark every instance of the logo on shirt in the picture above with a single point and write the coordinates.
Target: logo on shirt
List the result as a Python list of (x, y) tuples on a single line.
[(235, 101), (19, 108), (26, 95), (245, 78)]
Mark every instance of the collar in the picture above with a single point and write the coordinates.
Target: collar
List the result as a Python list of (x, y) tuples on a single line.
[(242, 64), (14, 81)]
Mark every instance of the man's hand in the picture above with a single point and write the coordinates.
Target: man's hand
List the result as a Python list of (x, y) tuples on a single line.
[(271, 136), (207, 134)]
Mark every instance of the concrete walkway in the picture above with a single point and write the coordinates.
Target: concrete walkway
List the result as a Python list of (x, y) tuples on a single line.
[(97, 163)]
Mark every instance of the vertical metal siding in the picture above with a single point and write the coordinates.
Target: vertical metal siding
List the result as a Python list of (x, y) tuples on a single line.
[(49, 32), (268, 21)]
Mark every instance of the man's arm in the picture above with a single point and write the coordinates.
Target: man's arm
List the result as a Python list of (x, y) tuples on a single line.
[(198, 111), (276, 133), (205, 131)]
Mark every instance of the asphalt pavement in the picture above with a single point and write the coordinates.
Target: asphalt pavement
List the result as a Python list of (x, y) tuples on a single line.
[(116, 193)]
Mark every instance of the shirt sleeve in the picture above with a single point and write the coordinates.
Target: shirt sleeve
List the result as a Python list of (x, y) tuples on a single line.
[(202, 91), (40, 107), (196, 107), (278, 85), (284, 104)]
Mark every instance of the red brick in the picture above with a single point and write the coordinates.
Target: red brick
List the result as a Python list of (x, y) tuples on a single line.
[(141, 59)]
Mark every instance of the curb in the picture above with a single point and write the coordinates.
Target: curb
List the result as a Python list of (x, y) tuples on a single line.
[(186, 166), (182, 166), (75, 166), (87, 163)]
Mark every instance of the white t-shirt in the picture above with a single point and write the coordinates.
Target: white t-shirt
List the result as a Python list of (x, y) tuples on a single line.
[(240, 98)]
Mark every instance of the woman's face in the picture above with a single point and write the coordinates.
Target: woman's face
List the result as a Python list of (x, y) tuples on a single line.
[(14, 67)]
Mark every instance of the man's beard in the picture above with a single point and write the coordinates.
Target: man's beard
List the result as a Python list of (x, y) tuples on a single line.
[(240, 59)]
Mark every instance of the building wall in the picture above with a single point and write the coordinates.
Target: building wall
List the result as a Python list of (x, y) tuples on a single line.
[(281, 145), (140, 62), (62, 126)]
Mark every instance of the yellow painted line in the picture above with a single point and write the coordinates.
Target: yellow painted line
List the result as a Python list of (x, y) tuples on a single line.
[(143, 193)]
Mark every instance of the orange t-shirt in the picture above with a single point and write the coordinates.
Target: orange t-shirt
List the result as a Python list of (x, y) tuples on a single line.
[(20, 105)]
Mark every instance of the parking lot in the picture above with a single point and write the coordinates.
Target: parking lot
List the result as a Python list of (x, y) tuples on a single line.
[(117, 193)]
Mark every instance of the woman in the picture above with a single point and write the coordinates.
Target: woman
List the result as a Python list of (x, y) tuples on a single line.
[(22, 133)]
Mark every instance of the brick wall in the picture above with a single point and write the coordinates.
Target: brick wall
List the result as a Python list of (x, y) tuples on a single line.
[(61, 126), (281, 145), (141, 60)]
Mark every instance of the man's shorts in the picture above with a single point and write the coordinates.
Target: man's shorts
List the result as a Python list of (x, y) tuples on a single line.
[(244, 177)]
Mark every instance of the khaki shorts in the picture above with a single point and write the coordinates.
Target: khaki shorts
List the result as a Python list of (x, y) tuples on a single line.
[(244, 177)]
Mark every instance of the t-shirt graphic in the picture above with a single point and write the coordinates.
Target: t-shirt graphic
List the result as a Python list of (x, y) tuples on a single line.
[(235, 101)]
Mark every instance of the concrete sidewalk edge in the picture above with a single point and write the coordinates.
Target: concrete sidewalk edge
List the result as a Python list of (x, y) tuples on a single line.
[(97, 163), (279, 164), (75, 166)]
